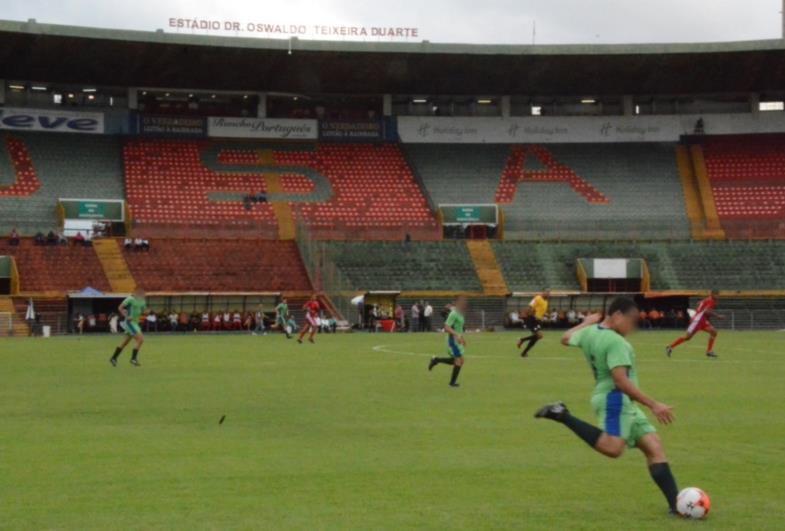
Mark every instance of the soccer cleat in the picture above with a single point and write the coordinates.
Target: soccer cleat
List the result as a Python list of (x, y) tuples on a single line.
[(455, 385), (520, 342), (300, 340), (556, 411), (135, 362), (433, 363), (669, 350), (113, 361), (711, 354), (310, 340)]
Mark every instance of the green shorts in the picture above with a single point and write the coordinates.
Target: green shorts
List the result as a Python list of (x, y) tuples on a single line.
[(618, 416), (132, 329)]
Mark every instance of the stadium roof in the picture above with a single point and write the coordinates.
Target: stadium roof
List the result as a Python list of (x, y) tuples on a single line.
[(69, 54)]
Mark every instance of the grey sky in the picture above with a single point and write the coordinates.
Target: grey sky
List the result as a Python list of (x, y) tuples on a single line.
[(484, 21)]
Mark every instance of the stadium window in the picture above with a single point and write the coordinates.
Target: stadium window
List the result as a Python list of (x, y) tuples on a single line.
[(536, 110), (637, 109), (771, 106), (57, 98)]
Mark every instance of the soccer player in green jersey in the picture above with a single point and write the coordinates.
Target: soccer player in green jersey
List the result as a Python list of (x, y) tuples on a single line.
[(453, 327), (131, 308), (623, 423), (282, 316)]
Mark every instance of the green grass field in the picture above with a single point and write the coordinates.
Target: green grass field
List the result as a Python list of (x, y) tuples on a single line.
[(354, 433)]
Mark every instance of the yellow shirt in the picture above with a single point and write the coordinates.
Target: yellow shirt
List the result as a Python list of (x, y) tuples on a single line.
[(539, 305)]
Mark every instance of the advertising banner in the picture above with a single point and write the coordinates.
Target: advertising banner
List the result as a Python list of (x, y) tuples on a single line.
[(172, 125), (568, 129), (270, 128), (54, 120), (349, 131)]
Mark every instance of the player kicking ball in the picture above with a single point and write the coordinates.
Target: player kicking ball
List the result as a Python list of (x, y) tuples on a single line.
[(311, 308), (131, 309), (700, 322), (622, 422), (453, 327)]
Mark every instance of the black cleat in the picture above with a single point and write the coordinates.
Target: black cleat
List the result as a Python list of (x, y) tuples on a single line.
[(113, 361), (556, 411), (433, 363), (300, 341), (455, 385), (310, 340), (669, 350), (135, 362), (711, 354), (524, 354)]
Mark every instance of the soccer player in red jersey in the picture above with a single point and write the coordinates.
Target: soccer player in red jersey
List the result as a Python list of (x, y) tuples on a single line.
[(700, 321), (311, 308)]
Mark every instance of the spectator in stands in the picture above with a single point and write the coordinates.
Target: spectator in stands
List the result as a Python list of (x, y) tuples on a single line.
[(700, 126), (39, 238), (138, 244), (79, 239), (415, 317), (128, 244), (182, 322), (173, 321), (61, 238), (572, 317), (51, 238), (193, 325), (237, 321), (13, 239), (205, 322), (643, 319), (427, 314)]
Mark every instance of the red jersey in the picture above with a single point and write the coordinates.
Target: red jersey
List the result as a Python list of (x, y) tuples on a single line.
[(312, 307), (706, 305)]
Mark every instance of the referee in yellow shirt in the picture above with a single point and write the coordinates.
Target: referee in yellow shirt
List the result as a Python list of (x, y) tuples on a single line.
[(537, 309)]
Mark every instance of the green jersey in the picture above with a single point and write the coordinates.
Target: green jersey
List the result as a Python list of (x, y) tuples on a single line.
[(282, 309), (455, 321), (134, 307), (605, 350)]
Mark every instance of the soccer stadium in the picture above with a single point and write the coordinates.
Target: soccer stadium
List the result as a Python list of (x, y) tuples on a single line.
[(232, 269)]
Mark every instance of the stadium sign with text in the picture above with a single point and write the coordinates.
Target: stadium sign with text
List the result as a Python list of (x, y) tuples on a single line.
[(554, 129), (252, 28), (273, 128), (172, 125), (51, 120)]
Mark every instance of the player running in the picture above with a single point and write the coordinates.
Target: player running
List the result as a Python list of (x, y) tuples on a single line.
[(537, 309), (282, 316), (700, 321), (453, 327), (311, 308), (131, 309), (616, 390)]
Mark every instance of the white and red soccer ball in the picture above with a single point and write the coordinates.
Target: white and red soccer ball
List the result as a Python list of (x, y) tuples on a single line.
[(693, 503)]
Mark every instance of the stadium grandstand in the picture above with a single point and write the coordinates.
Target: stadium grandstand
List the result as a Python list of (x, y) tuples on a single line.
[(234, 171)]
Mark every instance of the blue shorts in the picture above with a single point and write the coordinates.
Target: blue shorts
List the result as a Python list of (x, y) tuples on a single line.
[(454, 349), (132, 329)]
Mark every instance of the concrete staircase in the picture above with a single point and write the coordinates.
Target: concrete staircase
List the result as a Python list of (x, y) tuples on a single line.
[(487, 268), (115, 267), (282, 209), (18, 326)]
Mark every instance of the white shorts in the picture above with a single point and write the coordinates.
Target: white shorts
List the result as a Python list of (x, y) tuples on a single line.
[(697, 323)]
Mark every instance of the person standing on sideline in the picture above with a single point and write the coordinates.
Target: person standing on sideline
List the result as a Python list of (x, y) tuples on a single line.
[(415, 318), (428, 316)]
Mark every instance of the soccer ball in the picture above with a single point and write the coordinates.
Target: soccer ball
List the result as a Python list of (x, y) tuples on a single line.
[(692, 502)]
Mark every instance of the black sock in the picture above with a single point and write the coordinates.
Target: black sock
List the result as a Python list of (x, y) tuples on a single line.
[(590, 434), (455, 371), (135, 354), (524, 339), (446, 361), (117, 352), (532, 342), (662, 476)]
